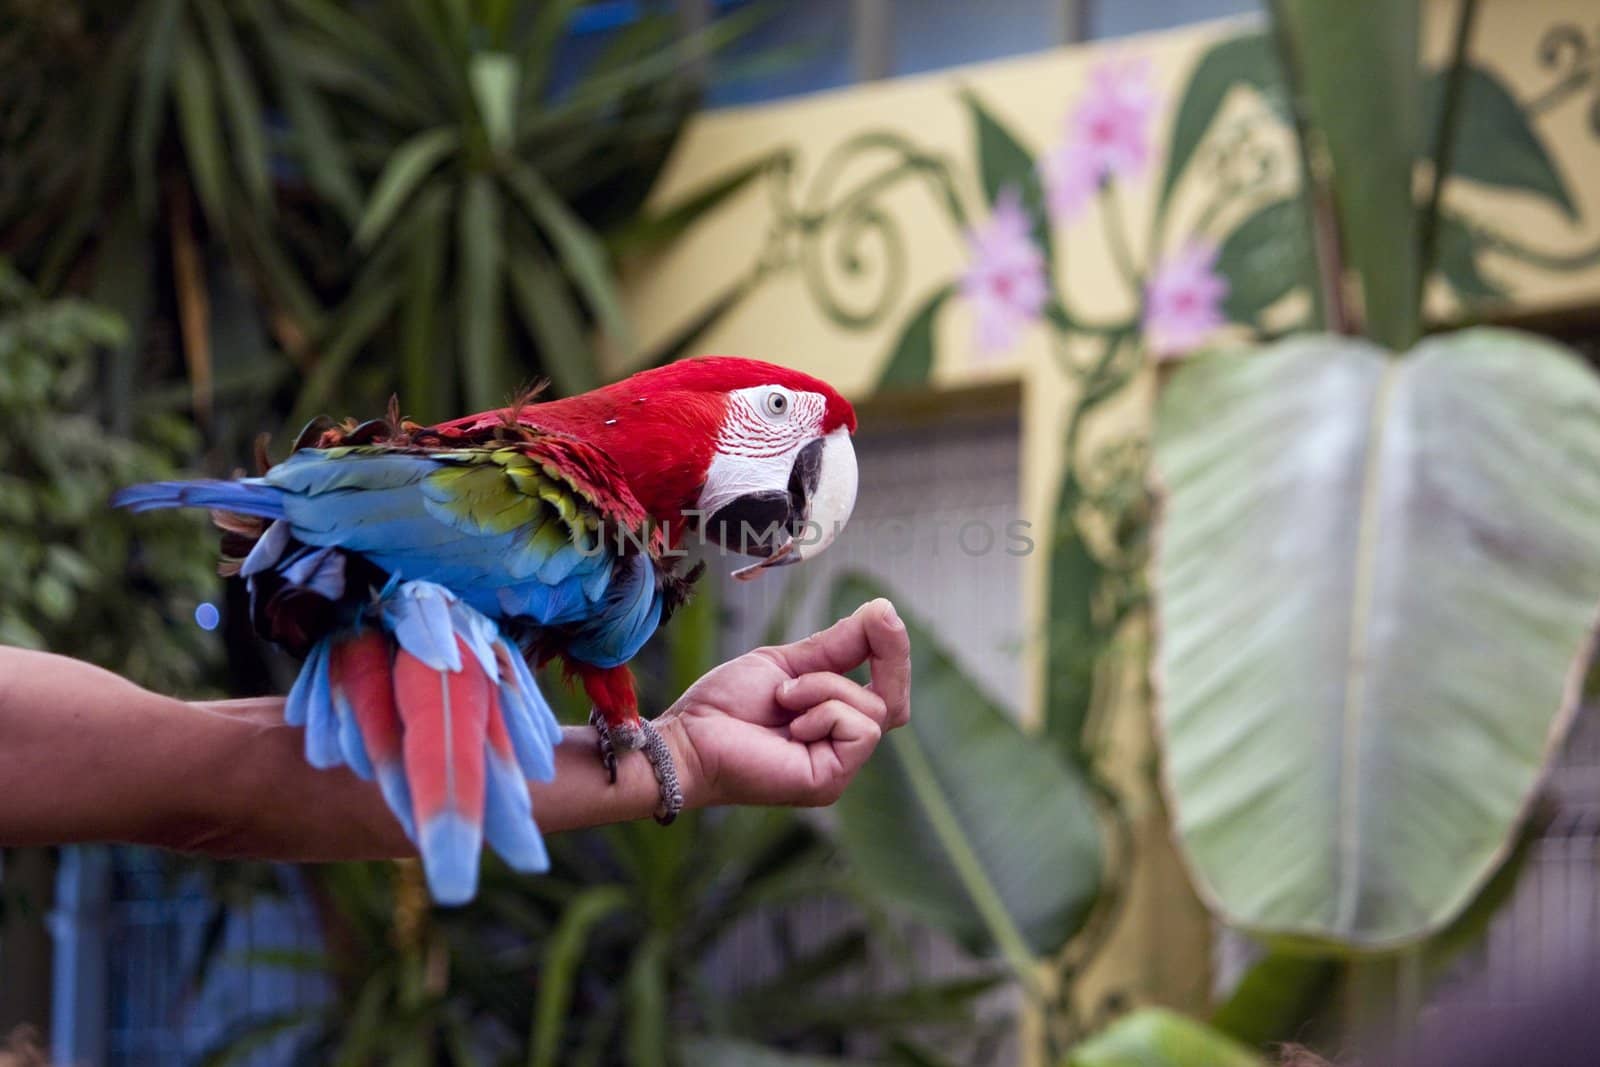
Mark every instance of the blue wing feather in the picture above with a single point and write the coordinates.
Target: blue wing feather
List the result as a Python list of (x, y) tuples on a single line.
[(632, 614), (315, 472), (383, 506)]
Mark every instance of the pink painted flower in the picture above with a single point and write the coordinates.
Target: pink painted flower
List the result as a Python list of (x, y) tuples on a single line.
[(1113, 118), (1005, 280), (1107, 136), (1070, 181), (1183, 300)]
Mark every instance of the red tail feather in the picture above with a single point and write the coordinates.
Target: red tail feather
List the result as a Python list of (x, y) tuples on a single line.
[(499, 737), (445, 716), (360, 665)]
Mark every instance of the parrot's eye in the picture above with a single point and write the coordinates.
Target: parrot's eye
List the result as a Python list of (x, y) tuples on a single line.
[(776, 404)]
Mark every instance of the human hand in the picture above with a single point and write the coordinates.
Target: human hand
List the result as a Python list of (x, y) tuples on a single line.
[(783, 725)]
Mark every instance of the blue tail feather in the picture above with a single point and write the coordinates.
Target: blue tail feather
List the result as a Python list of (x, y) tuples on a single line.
[(320, 570), (450, 846), (297, 708), (418, 614), (543, 716), (322, 730), (535, 756), (244, 497), (397, 794), (267, 551), (351, 743), (508, 824)]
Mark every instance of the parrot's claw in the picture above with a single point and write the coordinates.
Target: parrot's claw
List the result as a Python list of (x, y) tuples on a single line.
[(608, 753), (660, 757), (643, 736)]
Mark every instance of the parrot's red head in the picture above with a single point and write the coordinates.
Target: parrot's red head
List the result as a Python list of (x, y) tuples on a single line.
[(757, 455)]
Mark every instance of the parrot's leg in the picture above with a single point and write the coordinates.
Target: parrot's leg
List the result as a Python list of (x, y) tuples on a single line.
[(615, 718), (608, 752)]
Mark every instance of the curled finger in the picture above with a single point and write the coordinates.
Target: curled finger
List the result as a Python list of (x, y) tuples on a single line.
[(808, 690)]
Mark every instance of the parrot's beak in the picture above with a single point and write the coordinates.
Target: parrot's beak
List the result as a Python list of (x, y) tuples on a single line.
[(821, 494)]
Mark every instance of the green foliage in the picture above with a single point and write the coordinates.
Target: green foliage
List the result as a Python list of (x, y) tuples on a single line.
[(1496, 144), (1335, 782), (1276, 997), (711, 1052), (1271, 253), (413, 179), (80, 579), (911, 362), (602, 960), (1007, 168), (490, 179)]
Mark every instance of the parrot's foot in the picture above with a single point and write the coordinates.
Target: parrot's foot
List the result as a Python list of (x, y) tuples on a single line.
[(660, 757), (641, 735)]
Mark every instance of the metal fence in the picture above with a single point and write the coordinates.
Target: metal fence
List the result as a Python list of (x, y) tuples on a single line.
[(1552, 920), (151, 972)]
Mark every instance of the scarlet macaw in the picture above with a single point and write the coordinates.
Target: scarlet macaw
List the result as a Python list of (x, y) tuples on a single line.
[(418, 569)]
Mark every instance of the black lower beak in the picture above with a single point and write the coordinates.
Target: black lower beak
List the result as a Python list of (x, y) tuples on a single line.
[(758, 524), (752, 525)]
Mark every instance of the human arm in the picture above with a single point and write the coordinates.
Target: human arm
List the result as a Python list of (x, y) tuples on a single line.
[(88, 756)]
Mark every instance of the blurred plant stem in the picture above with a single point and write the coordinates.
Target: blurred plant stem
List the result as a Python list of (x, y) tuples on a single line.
[(1327, 295), (1445, 141)]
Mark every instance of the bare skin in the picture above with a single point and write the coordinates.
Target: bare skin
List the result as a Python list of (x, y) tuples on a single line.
[(86, 755)]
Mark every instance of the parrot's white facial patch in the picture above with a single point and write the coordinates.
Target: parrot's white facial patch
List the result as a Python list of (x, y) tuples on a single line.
[(732, 476)]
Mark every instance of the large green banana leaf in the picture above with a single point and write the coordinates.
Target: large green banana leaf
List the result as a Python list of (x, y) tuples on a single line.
[(1377, 581), (1155, 1037)]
